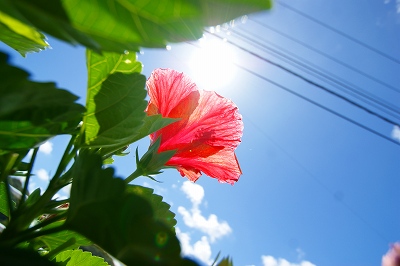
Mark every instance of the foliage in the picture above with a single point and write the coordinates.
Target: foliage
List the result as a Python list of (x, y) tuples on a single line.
[(129, 222)]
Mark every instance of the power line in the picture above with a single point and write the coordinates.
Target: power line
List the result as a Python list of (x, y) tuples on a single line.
[(317, 104), (311, 82), (327, 56), (307, 68), (339, 32)]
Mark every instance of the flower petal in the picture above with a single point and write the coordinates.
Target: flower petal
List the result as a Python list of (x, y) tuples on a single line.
[(167, 88), (223, 166), (208, 132), (215, 121)]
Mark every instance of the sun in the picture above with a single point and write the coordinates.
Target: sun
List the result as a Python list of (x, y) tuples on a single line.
[(212, 64)]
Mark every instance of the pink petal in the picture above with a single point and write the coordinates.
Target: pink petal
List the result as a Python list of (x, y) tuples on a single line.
[(167, 88), (208, 132)]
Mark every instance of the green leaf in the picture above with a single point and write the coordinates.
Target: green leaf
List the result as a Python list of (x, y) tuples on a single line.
[(32, 112), (150, 125), (53, 241), (116, 100), (161, 209), (20, 36), (23, 17), (118, 111), (79, 258), (119, 25), (4, 206), (121, 222), (129, 24), (33, 197), (126, 25)]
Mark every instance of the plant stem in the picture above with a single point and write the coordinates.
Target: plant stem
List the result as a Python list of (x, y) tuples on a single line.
[(134, 175), (28, 175)]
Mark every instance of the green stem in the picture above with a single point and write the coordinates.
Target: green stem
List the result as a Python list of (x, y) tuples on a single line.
[(66, 158), (28, 175), (134, 175)]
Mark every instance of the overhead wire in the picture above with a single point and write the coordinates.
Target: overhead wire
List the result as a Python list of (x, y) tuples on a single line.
[(317, 72), (319, 105), (326, 55), (299, 164), (325, 25), (310, 82)]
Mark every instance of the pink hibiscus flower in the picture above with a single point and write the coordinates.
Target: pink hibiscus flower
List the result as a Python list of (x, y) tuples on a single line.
[(392, 257), (208, 132)]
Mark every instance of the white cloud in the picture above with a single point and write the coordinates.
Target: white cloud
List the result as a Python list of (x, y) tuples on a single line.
[(211, 226), (201, 249), (271, 261), (43, 175), (46, 147), (193, 191), (396, 129), (194, 219)]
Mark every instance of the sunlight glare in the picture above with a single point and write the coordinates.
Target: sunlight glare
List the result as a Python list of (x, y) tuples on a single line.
[(212, 64)]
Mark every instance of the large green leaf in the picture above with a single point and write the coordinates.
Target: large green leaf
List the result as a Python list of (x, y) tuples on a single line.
[(119, 111), (79, 258), (161, 209), (32, 112), (23, 17), (127, 24), (119, 25), (119, 221), (115, 101)]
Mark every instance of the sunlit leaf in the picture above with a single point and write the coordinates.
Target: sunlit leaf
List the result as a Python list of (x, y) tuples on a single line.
[(129, 24), (121, 222), (20, 36), (32, 112), (25, 17), (79, 258), (118, 111), (115, 101)]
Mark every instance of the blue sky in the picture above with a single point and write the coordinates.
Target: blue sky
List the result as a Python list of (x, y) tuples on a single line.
[(316, 189)]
